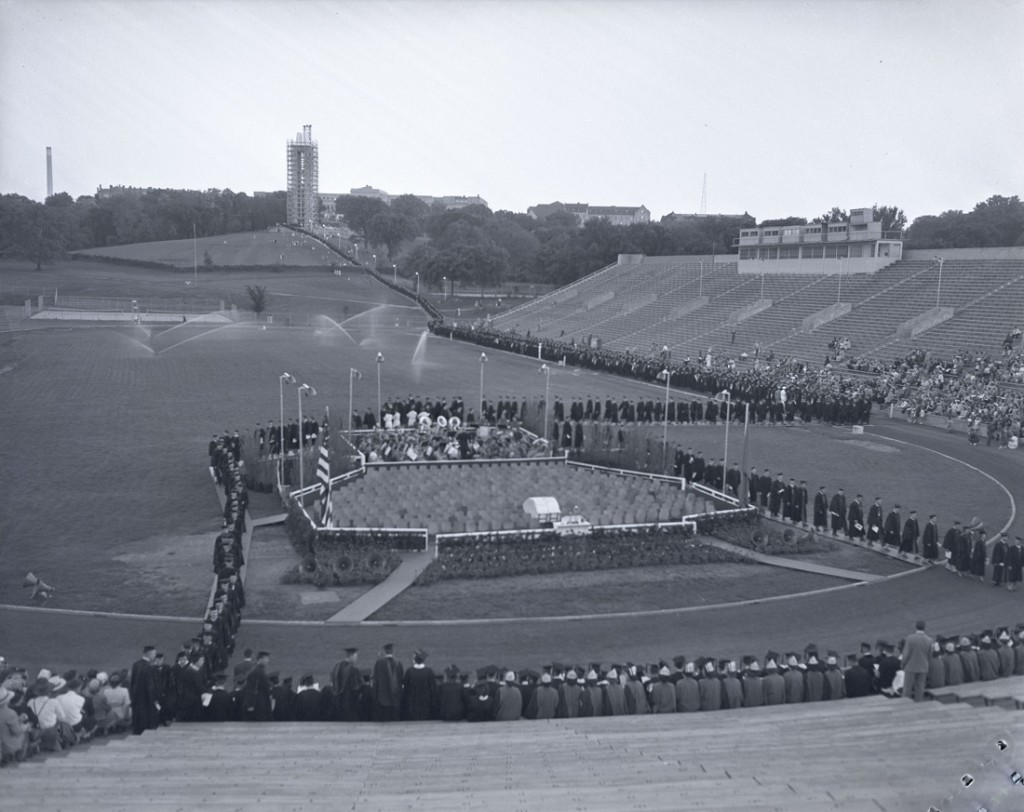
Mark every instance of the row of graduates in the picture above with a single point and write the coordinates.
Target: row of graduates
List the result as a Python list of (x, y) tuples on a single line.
[(291, 436), (162, 692), (966, 552), (389, 692), (982, 657), (778, 392), (643, 411)]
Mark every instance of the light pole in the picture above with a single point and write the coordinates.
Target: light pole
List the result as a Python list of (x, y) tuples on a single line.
[(700, 286), (666, 373), (352, 375), (309, 391), (839, 294), (417, 282), (938, 290), (483, 360), (281, 381), (380, 405), (395, 269), (725, 454), (195, 256), (444, 288), (547, 396)]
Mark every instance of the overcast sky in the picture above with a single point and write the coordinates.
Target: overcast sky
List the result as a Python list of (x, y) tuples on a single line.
[(788, 107)]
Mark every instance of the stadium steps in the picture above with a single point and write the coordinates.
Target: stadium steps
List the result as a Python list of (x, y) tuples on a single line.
[(1005, 693), (867, 754), (980, 322)]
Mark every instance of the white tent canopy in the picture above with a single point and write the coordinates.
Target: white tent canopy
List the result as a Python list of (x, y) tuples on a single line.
[(544, 508)]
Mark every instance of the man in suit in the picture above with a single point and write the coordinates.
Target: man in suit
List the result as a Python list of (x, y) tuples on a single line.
[(916, 655)]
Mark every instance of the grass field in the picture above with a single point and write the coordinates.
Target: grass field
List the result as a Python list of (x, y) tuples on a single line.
[(106, 495), (275, 246)]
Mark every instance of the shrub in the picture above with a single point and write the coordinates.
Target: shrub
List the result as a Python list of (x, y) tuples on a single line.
[(493, 556)]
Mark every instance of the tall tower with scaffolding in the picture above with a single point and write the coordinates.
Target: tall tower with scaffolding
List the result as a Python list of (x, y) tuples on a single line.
[(303, 178)]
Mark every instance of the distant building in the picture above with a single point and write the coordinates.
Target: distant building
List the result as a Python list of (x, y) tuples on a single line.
[(682, 217), (856, 245), (138, 191), (616, 215), (448, 201), (303, 179)]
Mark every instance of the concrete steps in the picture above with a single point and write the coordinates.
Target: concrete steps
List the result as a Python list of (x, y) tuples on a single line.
[(854, 755)]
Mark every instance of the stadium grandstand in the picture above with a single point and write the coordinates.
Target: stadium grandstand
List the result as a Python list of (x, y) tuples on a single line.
[(690, 304)]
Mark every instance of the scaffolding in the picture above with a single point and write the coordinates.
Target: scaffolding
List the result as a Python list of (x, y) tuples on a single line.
[(303, 178)]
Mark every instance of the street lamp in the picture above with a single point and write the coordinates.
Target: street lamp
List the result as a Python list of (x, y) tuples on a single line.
[(839, 294), (444, 288), (547, 395), (395, 269), (309, 391), (725, 454), (352, 375), (417, 282), (483, 360), (665, 374), (380, 406), (938, 290), (281, 381)]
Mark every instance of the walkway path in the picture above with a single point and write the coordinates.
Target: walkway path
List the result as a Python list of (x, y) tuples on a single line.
[(793, 563), (401, 579)]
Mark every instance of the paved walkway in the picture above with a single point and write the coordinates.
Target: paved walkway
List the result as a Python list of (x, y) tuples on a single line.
[(792, 563), (396, 583)]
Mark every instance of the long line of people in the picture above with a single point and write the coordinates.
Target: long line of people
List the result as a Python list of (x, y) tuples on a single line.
[(390, 692), (966, 387), (964, 549)]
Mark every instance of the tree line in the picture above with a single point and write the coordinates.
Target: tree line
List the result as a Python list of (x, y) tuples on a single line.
[(471, 245), (43, 232)]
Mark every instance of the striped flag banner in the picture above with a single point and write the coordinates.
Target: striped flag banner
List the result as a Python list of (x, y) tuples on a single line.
[(323, 473)]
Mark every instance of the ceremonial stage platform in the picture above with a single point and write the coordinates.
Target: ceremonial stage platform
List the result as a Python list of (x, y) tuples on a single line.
[(858, 755)]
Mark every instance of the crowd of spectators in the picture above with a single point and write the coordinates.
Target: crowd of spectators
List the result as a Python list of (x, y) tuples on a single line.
[(443, 443), (969, 387)]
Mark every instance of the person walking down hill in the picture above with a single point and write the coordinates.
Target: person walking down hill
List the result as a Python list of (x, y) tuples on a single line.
[(916, 660), (911, 533)]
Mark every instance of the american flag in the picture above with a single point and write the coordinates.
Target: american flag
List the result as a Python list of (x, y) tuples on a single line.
[(323, 473)]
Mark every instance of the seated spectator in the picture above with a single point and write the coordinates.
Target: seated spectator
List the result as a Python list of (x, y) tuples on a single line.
[(119, 703), (14, 730), (48, 713)]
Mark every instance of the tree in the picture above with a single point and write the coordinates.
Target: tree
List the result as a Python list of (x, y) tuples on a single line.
[(32, 231), (359, 211), (891, 217), (258, 298), (786, 221), (389, 229), (833, 215)]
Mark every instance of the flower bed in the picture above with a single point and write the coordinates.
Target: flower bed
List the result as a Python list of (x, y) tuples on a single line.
[(763, 538), (491, 556)]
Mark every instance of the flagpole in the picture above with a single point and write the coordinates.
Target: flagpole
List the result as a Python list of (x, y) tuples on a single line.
[(744, 482)]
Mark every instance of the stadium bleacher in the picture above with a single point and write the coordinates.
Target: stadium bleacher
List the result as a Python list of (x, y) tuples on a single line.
[(639, 306)]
